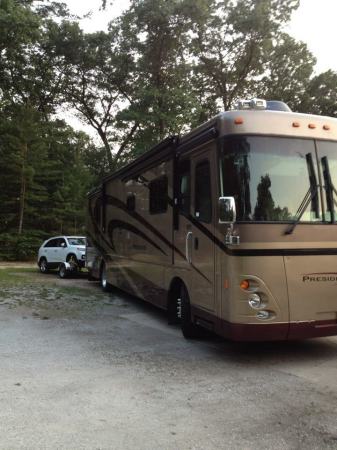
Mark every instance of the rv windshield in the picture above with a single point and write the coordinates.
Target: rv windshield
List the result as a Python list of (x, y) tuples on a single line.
[(270, 178)]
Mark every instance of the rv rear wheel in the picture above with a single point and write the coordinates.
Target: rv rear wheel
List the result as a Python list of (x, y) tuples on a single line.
[(189, 329), (104, 280)]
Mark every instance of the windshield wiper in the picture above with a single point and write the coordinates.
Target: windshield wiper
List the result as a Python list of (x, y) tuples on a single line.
[(311, 196), (329, 187)]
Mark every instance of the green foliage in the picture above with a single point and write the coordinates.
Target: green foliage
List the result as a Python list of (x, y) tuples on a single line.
[(320, 96), (162, 67), (23, 247), (174, 64), (287, 72)]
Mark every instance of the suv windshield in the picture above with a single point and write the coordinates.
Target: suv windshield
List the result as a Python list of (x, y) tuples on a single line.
[(270, 177), (76, 241)]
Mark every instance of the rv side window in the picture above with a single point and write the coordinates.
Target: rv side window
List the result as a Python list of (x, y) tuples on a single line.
[(203, 198), (184, 187), (97, 212), (131, 202), (158, 195)]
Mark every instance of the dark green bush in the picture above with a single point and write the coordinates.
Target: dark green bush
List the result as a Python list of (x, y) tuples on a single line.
[(23, 247)]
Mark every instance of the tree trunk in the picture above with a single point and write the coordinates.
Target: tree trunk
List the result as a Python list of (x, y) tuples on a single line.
[(124, 144), (107, 147), (23, 187)]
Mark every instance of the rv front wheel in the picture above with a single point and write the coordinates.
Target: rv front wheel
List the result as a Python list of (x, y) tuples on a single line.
[(189, 329)]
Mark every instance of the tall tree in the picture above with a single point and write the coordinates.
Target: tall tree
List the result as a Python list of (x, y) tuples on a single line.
[(233, 45), (287, 72), (37, 152), (320, 96), (97, 75)]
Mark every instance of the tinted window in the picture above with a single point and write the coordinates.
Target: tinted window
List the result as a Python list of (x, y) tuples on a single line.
[(158, 195), (97, 211), (131, 202), (270, 177), (327, 153), (184, 187), (203, 197), (61, 243), (76, 241)]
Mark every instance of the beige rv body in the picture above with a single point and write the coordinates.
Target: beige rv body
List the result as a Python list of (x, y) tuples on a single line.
[(149, 253)]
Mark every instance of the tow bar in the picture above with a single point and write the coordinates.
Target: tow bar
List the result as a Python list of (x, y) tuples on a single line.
[(67, 269)]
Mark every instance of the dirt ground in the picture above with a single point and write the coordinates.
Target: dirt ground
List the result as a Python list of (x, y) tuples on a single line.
[(81, 369)]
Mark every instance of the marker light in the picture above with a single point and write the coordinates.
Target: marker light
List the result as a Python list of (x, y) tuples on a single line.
[(296, 124), (311, 126), (326, 127), (255, 301), (238, 121), (244, 285)]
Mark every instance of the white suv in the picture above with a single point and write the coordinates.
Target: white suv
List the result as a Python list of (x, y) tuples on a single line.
[(60, 249)]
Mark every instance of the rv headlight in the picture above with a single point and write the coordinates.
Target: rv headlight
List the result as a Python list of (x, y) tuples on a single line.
[(255, 301), (263, 315)]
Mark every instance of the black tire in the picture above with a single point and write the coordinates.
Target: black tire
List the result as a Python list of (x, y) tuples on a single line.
[(188, 328), (103, 279), (63, 273), (174, 305), (43, 265)]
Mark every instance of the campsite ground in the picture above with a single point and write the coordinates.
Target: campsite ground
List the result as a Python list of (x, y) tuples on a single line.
[(81, 369)]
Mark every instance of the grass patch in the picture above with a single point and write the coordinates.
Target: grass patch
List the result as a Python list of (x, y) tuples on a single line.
[(12, 276), (43, 297)]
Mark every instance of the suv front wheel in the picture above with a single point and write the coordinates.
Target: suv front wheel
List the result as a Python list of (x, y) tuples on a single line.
[(43, 265)]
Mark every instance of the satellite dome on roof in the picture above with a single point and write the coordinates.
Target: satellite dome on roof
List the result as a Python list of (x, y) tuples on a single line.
[(276, 105)]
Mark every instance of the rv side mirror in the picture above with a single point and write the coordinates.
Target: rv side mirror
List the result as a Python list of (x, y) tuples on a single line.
[(227, 210)]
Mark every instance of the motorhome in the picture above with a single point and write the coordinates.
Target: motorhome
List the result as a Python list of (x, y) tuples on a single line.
[(231, 227)]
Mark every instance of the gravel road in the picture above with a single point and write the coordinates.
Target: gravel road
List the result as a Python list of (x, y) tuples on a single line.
[(85, 370)]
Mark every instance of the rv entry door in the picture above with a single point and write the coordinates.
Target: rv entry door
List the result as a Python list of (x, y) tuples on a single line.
[(203, 251), (194, 226)]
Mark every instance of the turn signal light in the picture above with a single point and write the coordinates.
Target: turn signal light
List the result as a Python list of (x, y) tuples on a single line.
[(244, 285)]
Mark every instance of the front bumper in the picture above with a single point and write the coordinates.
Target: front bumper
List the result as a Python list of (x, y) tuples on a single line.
[(264, 331), (278, 331)]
